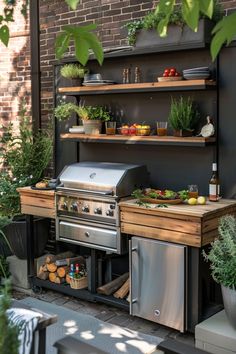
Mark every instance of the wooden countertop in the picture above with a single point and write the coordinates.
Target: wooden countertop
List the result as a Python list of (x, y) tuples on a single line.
[(192, 225), (37, 202), (184, 209)]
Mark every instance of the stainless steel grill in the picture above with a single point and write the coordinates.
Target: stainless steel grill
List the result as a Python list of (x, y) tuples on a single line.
[(87, 203)]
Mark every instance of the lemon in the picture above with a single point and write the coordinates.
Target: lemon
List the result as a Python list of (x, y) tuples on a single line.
[(192, 201), (201, 200)]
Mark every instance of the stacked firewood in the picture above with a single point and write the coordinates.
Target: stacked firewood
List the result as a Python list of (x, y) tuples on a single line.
[(56, 268), (119, 287)]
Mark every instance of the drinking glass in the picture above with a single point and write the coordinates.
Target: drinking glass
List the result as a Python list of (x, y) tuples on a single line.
[(192, 191), (110, 128), (161, 128)]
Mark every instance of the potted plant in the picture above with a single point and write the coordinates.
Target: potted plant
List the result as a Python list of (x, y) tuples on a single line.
[(92, 117), (64, 110), (222, 257), (183, 117), (73, 72), (25, 157), (143, 33)]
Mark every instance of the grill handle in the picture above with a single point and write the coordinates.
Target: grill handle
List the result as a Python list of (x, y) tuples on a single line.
[(87, 191)]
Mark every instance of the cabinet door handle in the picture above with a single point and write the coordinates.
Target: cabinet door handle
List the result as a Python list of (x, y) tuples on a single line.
[(87, 234)]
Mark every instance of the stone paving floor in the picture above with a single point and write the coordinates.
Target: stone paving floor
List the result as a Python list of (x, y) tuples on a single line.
[(107, 314)]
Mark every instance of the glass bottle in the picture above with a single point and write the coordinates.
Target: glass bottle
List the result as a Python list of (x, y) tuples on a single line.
[(72, 273), (214, 185)]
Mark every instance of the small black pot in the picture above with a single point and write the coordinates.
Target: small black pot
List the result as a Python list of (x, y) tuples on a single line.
[(17, 236)]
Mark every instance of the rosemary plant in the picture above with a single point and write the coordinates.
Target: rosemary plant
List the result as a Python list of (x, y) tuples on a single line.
[(183, 114)]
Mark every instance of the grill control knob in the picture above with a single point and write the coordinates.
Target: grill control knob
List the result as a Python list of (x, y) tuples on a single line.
[(112, 206), (74, 207), (85, 209), (64, 206), (98, 211), (109, 212)]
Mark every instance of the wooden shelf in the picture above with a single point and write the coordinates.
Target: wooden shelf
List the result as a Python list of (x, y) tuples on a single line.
[(183, 85), (147, 140)]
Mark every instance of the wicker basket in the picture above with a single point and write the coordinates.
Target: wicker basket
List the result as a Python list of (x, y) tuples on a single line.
[(80, 283)]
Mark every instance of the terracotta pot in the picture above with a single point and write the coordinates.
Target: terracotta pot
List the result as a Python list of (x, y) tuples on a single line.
[(93, 127), (183, 133)]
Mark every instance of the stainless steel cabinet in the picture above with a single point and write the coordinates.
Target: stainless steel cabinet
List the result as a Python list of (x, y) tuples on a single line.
[(158, 281)]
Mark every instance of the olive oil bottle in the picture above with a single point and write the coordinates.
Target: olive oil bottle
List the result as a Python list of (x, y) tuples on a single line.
[(214, 185)]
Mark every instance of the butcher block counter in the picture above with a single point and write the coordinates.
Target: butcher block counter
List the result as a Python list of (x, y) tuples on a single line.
[(37, 202), (191, 225)]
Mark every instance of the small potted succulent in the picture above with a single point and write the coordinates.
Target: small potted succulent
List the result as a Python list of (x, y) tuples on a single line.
[(73, 72), (183, 117), (92, 117)]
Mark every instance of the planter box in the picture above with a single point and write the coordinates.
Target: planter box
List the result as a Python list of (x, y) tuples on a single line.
[(177, 36)]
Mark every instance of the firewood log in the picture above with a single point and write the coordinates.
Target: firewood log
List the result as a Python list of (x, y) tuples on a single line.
[(52, 276), (43, 275), (68, 279), (52, 258), (123, 291), (112, 286), (59, 280), (62, 271), (51, 267)]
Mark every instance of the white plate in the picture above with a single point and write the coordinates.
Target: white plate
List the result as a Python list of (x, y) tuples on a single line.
[(97, 83), (202, 68), (76, 130)]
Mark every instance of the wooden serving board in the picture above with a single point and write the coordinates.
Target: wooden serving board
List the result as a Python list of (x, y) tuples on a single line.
[(161, 201), (192, 225)]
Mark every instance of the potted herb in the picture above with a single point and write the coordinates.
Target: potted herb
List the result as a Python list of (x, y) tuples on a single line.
[(143, 33), (73, 72), (222, 258), (183, 117), (25, 157), (64, 110), (92, 117)]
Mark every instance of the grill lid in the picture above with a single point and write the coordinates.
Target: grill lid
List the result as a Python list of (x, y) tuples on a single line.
[(118, 179)]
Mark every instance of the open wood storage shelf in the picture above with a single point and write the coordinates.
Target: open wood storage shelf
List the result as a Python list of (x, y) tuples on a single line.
[(147, 140), (82, 294), (183, 85)]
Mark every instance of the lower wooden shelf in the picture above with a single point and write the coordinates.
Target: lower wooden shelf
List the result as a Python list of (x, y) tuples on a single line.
[(83, 294), (148, 140)]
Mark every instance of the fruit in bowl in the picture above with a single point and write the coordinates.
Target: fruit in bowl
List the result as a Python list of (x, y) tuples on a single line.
[(124, 130), (143, 130)]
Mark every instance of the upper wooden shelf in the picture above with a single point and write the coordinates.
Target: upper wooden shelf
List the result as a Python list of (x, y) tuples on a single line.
[(183, 85), (147, 140)]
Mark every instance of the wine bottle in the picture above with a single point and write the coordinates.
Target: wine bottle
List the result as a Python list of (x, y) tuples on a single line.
[(214, 185)]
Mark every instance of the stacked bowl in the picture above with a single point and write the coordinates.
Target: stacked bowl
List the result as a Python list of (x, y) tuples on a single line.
[(197, 73)]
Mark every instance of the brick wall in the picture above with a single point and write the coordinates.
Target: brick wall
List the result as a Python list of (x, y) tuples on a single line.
[(14, 68), (110, 16)]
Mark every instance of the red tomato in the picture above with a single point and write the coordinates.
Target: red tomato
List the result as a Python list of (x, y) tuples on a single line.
[(171, 74), (177, 74), (173, 71), (165, 75), (166, 71)]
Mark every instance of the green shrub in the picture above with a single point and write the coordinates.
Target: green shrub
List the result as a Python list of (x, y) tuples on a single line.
[(222, 255)]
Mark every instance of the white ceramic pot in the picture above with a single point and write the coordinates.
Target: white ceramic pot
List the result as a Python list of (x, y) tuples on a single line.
[(93, 127), (229, 300)]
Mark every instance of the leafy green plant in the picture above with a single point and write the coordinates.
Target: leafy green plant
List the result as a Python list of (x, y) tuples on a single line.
[(25, 157), (168, 13), (72, 71), (93, 113), (222, 255), (9, 342), (183, 114), (64, 110)]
